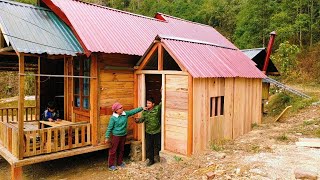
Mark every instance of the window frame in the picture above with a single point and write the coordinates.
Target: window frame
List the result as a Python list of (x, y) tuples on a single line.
[(79, 70)]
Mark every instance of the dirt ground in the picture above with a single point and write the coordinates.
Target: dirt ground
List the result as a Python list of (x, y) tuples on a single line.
[(267, 152)]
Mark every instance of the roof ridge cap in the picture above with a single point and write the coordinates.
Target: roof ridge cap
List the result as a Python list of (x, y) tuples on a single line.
[(192, 41)]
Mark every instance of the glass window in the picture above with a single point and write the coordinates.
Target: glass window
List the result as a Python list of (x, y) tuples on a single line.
[(81, 85)]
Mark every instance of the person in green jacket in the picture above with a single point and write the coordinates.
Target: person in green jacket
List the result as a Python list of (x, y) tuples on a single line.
[(152, 119), (118, 127)]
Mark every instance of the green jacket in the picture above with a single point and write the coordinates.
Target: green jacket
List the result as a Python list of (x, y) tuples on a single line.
[(152, 120), (118, 124)]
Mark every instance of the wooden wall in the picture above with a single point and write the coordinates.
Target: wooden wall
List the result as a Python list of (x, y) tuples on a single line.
[(115, 86), (176, 113), (242, 107)]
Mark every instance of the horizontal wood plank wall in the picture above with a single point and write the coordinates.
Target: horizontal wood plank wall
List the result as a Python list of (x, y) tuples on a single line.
[(115, 86), (176, 113)]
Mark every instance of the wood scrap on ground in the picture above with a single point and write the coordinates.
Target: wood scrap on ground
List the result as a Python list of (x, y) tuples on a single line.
[(309, 142), (283, 112)]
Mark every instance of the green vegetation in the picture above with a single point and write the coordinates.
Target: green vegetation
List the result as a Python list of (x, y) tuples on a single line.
[(283, 137), (279, 101), (177, 158)]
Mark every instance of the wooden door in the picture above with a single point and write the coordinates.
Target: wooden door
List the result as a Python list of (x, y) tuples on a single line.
[(176, 114)]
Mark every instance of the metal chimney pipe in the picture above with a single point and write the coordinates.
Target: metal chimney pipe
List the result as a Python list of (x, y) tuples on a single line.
[(269, 48)]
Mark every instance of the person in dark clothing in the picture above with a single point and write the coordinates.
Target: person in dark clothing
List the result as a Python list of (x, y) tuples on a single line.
[(152, 119), (51, 114)]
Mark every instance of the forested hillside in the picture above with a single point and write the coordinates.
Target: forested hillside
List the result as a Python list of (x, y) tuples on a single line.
[(247, 23)]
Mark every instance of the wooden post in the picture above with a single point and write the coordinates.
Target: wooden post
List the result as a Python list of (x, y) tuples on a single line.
[(160, 57), (38, 115), (143, 100), (190, 116), (1, 40), (66, 86), (135, 94), (21, 105), (16, 173), (93, 99), (70, 82), (163, 101)]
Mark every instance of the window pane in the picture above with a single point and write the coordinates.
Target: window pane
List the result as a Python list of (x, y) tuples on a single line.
[(86, 65), (86, 86), (76, 68), (86, 103), (77, 101), (76, 86)]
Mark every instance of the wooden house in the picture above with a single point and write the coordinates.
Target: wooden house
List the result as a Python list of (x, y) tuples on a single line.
[(92, 56), (210, 92), (35, 42)]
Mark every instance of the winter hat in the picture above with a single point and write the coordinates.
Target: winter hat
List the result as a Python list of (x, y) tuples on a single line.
[(116, 106)]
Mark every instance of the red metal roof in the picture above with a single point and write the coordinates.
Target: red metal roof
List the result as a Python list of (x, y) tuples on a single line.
[(204, 59), (103, 29)]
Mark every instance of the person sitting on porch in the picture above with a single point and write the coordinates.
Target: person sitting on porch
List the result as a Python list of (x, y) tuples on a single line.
[(152, 119), (51, 114), (118, 127)]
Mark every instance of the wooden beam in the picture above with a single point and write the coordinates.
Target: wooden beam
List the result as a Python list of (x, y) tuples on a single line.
[(174, 57), (135, 103), (16, 173), (38, 115), (16, 54), (94, 99), (21, 105), (59, 155), (161, 72), (190, 116), (163, 100), (2, 41), (148, 57), (160, 57), (66, 90), (6, 49), (143, 135)]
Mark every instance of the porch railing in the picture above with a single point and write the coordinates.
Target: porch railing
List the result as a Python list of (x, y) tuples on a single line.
[(9, 138), (11, 114), (49, 140)]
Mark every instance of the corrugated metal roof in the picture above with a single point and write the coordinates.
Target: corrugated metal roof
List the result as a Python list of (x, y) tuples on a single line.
[(203, 60), (103, 29), (251, 53), (32, 29)]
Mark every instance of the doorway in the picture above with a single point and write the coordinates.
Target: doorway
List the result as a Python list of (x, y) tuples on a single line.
[(153, 87)]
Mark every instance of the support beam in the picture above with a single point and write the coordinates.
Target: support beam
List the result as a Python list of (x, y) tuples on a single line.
[(6, 49), (175, 58), (16, 173), (160, 57), (135, 103), (143, 100), (2, 42), (190, 116), (65, 96), (94, 99), (38, 115), (21, 105), (148, 57), (163, 101)]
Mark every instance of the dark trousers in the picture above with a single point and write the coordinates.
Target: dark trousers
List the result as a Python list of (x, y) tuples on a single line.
[(117, 145), (153, 145)]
